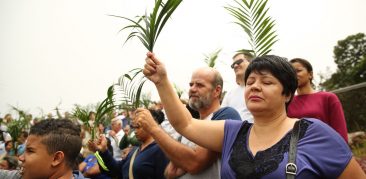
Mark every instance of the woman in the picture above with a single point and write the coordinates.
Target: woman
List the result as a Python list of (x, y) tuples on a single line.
[(259, 150), (310, 103), (143, 162)]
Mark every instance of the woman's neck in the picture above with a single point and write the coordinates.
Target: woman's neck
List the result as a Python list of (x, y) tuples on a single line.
[(266, 124), (145, 143), (268, 130), (307, 89)]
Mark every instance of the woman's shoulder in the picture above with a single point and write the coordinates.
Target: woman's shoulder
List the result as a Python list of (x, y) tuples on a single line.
[(232, 128), (320, 132), (325, 94)]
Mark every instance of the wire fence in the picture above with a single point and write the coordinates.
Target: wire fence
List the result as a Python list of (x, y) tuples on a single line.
[(353, 99)]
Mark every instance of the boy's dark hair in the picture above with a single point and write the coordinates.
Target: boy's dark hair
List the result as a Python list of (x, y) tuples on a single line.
[(59, 135), (280, 68)]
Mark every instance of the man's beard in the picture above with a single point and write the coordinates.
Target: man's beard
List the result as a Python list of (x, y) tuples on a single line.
[(201, 102)]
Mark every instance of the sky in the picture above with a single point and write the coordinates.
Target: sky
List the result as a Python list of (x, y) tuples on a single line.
[(61, 53)]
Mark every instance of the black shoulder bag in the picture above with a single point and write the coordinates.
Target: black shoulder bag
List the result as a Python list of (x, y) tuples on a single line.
[(291, 167)]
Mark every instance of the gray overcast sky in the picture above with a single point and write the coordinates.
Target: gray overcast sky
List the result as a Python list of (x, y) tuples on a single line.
[(70, 51)]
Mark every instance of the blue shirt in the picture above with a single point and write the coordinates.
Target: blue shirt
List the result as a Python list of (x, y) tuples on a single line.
[(90, 161), (148, 164), (321, 153), (225, 113)]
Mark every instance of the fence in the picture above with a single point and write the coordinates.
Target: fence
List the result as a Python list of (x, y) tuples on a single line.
[(353, 99)]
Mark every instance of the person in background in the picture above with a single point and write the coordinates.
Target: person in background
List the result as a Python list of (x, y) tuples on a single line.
[(9, 163), (21, 142), (260, 150), (145, 161), (321, 105), (9, 150), (129, 139), (89, 166), (232, 98), (115, 135)]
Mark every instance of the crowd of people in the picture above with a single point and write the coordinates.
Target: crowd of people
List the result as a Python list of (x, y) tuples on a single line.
[(260, 129)]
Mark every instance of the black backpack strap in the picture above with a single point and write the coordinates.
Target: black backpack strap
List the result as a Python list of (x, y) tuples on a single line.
[(291, 167)]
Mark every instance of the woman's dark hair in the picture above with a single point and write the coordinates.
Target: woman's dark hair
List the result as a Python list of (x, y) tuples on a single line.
[(158, 115), (307, 66), (280, 68)]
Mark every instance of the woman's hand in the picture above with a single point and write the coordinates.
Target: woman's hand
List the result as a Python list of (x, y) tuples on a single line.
[(145, 120), (154, 70)]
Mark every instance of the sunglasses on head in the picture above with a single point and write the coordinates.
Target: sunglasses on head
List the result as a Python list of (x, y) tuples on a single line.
[(237, 62)]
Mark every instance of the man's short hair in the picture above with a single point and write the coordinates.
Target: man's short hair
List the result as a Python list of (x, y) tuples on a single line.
[(59, 135), (217, 81), (247, 55), (116, 120)]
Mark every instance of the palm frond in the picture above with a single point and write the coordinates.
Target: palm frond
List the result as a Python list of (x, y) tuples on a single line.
[(211, 58), (131, 85), (252, 17), (105, 107), (147, 28)]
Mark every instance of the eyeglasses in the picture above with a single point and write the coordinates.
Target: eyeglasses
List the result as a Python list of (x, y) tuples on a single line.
[(237, 62)]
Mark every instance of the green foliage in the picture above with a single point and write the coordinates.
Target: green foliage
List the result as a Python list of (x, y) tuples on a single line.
[(252, 17), (16, 126), (103, 112), (211, 58), (178, 90), (350, 57), (353, 103), (146, 100), (131, 85), (148, 27)]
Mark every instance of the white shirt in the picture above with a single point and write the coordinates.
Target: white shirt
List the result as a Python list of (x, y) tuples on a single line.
[(212, 172), (115, 144), (235, 99)]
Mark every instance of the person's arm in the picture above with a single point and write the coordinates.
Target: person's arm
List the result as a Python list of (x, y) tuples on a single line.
[(336, 116), (191, 160), (178, 115), (172, 171), (107, 164), (94, 170), (82, 165), (124, 142), (353, 170)]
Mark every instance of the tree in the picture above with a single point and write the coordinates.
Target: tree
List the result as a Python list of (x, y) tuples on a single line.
[(350, 57)]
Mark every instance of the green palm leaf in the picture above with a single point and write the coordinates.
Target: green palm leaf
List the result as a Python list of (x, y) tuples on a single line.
[(211, 58), (106, 107), (131, 85), (252, 17), (147, 28)]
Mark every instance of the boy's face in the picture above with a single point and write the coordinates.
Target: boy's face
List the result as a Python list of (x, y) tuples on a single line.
[(36, 161)]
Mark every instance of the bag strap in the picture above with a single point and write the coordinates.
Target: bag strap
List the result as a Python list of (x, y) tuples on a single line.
[(130, 172), (291, 167)]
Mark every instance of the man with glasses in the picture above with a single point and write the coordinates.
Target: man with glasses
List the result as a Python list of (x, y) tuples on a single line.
[(235, 97)]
